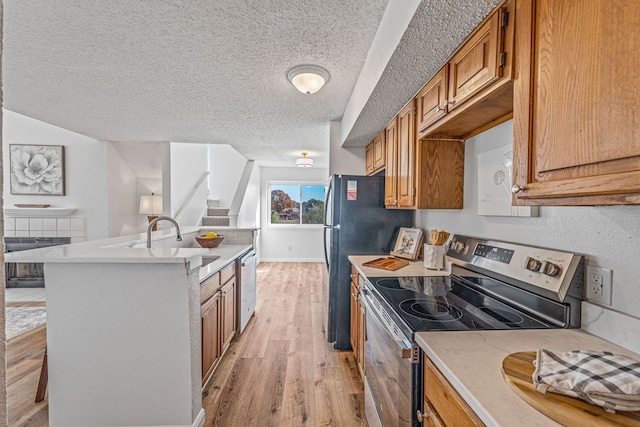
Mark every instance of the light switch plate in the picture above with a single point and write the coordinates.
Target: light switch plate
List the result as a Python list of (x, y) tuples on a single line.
[(598, 284)]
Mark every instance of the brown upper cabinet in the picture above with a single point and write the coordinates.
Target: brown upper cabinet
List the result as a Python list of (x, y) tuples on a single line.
[(376, 154), (391, 170), (576, 126), (421, 174), (475, 87), (369, 159), (406, 157)]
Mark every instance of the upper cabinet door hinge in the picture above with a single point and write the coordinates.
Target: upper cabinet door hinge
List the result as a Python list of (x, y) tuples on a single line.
[(505, 19), (502, 59)]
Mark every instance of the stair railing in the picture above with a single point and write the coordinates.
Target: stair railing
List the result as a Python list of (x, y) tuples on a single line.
[(192, 193)]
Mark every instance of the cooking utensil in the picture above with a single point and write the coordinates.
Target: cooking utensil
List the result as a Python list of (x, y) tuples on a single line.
[(438, 238)]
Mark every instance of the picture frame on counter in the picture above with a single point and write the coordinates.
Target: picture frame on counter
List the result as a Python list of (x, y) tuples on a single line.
[(408, 243)]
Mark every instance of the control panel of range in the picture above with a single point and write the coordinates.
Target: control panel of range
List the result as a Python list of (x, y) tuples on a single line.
[(541, 267)]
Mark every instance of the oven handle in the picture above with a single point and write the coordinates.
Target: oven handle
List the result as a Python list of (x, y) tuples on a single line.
[(400, 339)]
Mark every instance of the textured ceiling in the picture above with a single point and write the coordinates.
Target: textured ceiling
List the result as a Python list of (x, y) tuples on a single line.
[(215, 71), (187, 71), (436, 30)]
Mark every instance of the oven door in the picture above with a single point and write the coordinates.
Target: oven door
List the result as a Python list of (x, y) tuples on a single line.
[(388, 370)]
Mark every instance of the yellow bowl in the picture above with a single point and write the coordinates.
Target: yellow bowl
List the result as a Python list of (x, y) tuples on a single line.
[(209, 242)]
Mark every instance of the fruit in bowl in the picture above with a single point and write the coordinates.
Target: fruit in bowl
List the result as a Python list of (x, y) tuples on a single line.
[(210, 240)]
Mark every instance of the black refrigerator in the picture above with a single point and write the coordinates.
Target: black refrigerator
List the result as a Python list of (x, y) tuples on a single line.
[(355, 223)]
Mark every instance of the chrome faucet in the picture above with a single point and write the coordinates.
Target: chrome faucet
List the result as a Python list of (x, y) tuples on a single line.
[(160, 218)]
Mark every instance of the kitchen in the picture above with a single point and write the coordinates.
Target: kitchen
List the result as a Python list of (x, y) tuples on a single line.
[(606, 234)]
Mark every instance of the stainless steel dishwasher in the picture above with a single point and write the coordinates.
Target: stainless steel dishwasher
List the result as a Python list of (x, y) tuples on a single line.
[(246, 269)]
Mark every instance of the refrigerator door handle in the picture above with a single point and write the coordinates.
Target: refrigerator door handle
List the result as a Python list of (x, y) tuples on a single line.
[(324, 236), (326, 202), (326, 225)]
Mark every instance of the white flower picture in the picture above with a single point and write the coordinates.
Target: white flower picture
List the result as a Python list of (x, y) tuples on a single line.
[(37, 169)]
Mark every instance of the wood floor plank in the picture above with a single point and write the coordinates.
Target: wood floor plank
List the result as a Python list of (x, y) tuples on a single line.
[(311, 384)]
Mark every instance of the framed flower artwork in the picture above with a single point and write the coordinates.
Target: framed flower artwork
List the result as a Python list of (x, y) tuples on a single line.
[(37, 169)]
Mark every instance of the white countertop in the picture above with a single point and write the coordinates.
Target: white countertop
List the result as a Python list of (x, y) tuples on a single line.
[(415, 268), (472, 362), (120, 250)]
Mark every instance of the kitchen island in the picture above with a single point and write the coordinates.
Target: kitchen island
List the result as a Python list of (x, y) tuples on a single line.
[(123, 328), (472, 362)]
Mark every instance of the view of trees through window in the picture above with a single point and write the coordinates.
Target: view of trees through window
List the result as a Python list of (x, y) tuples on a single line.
[(297, 204)]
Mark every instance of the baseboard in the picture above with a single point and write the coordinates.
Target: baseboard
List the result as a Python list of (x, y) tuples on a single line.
[(199, 421), (291, 259)]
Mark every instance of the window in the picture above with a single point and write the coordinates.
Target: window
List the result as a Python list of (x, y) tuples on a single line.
[(297, 203)]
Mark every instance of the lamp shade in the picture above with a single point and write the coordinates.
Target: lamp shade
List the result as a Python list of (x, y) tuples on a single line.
[(304, 161), (308, 78), (150, 205)]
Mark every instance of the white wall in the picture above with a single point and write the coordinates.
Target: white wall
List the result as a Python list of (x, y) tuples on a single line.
[(85, 161), (226, 170), (344, 160), (187, 164), (249, 214), (306, 243), (609, 236), (122, 186)]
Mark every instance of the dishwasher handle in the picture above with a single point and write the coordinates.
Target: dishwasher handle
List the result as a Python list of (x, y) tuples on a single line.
[(247, 257)]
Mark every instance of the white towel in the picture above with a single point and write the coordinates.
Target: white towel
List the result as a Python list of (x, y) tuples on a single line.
[(609, 380)]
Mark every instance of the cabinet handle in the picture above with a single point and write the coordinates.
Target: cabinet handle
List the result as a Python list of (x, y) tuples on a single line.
[(515, 188), (438, 108), (422, 416)]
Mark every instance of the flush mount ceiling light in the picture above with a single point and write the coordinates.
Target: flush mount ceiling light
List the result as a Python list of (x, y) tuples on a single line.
[(308, 78), (304, 161)]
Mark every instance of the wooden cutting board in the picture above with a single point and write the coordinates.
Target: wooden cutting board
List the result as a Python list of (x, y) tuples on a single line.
[(387, 263), (517, 369)]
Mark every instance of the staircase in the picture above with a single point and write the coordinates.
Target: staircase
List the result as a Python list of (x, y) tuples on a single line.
[(216, 216)]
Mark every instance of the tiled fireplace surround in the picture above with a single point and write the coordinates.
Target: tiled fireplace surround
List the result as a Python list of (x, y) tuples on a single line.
[(73, 227)]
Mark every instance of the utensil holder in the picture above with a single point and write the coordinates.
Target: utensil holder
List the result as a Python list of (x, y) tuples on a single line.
[(434, 256)]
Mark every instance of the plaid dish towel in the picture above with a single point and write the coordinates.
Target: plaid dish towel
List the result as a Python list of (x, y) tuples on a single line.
[(609, 380)]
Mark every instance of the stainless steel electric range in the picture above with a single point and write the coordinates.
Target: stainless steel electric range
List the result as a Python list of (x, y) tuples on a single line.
[(493, 285)]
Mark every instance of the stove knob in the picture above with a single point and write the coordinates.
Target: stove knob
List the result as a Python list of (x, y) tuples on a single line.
[(459, 247), (532, 264), (550, 269)]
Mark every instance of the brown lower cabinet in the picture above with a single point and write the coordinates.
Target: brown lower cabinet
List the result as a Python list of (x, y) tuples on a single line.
[(228, 312), (358, 322), (443, 406), (217, 317), (209, 318)]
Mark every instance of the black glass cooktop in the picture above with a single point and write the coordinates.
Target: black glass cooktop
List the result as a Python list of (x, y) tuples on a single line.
[(444, 303)]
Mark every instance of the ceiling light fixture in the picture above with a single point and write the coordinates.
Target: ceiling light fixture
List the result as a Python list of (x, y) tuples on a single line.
[(308, 78), (304, 161)]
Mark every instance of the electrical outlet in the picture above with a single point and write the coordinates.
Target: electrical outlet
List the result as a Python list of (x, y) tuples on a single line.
[(290, 248), (598, 284)]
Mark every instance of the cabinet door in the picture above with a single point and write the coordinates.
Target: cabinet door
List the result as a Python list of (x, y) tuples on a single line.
[(354, 318), (228, 296), (406, 156), (430, 417), (209, 324), (379, 151), (577, 131), (432, 99), (369, 159), (475, 66), (391, 172), (443, 400)]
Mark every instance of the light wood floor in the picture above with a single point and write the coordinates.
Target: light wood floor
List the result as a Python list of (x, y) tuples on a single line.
[(279, 372)]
